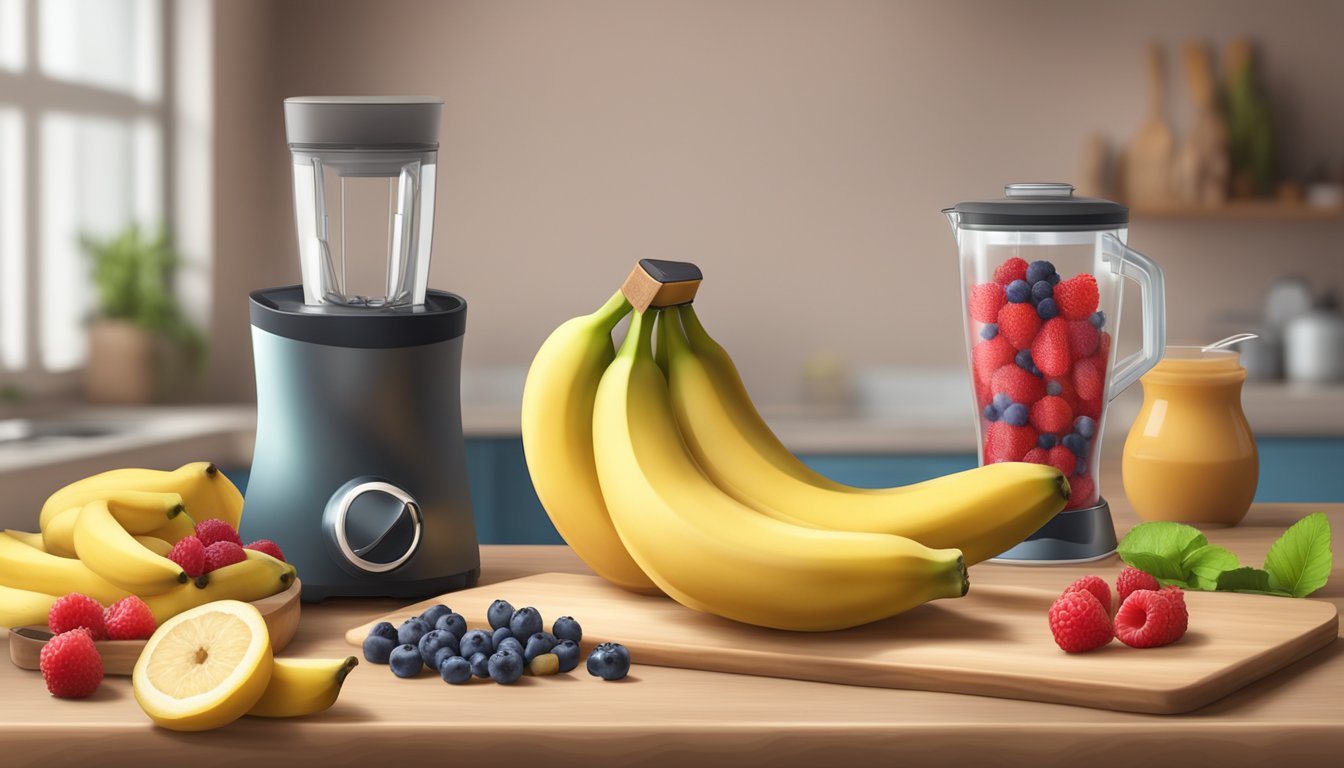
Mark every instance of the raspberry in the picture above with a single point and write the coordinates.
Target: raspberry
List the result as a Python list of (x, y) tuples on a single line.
[(1037, 456), (1082, 492), (1087, 379), (76, 611), (1079, 622), (1050, 350), (1010, 270), (1062, 458), (985, 302), (189, 554), (1096, 586), (1052, 414), (1018, 323), (1131, 579), (1083, 338), (266, 546), (71, 665), (989, 356), (129, 619), (1177, 596), (1148, 619), (211, 531), (1004, 442), (1017, 384), (223, 553), (1077, 297)]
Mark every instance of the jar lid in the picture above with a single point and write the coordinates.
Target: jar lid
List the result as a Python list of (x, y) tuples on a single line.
[(1041, 207), (363, 122)]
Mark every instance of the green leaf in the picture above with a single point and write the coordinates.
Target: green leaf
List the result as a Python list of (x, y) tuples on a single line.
[(1167, 570), (1206, 563), (1160, 548), (1299, 562), (1245, 579)]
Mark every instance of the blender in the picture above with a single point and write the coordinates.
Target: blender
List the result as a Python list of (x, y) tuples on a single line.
[(359, 471), (1042, 276)]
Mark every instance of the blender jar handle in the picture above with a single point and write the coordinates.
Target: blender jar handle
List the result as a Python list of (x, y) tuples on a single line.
[(1131, 264)]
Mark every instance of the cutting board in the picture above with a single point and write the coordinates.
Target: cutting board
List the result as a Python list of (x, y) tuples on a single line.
[(993, 642)]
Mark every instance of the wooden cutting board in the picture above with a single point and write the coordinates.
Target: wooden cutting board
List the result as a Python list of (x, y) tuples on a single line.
[(993, 642)]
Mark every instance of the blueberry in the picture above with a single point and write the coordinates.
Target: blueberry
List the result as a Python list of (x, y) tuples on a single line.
[(411, 630), (1085, 426), (480, 665), (567, 651), (455, 670), (1002, 401), (405, 661), (512, 643), (1054, 279), (377, 648), (1047, 309), (498, 637), (1076, 443), (1098, 319), (609, 661), (445, 652), (1018, 292), (431, 616), (1046, 441), (1024, 361), (1039, 270), (989, 331), (1016, 415), (505, 667), (433, 641), (476, 641), (499, 614), (566, 628), (384, 629), (1041, 290), (1053, 387), (526, 622), (991, 413), (537, 644), (452, 623)]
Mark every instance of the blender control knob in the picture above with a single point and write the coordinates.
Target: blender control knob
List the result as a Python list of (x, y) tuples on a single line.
[(372, 525)]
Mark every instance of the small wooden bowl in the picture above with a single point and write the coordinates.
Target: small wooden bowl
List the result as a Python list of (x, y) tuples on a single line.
[(280, 611)]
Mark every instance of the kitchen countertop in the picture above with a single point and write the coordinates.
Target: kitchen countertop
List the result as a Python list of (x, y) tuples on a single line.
[(663, 716)]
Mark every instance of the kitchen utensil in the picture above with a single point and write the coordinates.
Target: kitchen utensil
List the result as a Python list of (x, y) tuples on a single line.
[(1229, 341), (1041, 354), (1190, 456), (992, 642), (359, 471), (1314, 345), (1250, 129), (1202, 167), (1148, 165), (280, 611), (1287, 298)]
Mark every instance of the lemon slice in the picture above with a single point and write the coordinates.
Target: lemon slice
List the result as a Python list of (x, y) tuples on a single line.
[(204, 668)]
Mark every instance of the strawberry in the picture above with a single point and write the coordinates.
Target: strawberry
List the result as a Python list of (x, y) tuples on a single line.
[(1077, 297), (1037, 456), (1090, 408), (1087, 379), (1017, 384), (1052, 414), (1062, 458), (1083, 338), (1082, 492), (1018, 323), (1050, 350), (1004, 442), (1010, 270), (989, 356), (985, 301)]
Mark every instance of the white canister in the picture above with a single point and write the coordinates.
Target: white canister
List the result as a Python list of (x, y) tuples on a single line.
[(1314, 347)]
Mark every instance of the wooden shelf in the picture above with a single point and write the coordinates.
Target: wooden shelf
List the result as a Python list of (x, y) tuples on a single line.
[(1256, 210)]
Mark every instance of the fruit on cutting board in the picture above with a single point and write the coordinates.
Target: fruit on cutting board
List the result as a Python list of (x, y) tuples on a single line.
[(708, 551), (1149, 616)]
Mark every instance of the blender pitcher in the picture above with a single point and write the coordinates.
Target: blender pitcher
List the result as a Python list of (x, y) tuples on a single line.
[(1042, 274)]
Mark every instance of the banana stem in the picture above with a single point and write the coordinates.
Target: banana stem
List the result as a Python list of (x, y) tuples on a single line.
[(616, 308), (639, 338)]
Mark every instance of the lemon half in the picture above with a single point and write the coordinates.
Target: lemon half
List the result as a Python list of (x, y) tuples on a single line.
[(204, 668)]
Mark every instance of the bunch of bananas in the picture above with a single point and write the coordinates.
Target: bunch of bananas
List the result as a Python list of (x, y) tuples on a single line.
[(662, 476), (107, 537)]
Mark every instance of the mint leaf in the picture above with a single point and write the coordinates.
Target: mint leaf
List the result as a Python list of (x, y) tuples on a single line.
[(1206, 563), (1160, 548), (1245, 579), (1167, 570), (1299, 562)]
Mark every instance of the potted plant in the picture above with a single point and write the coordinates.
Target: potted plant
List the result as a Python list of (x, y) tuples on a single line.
[(138, 321)]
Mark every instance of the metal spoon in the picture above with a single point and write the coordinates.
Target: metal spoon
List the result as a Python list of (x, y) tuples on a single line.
[(1229, 341)]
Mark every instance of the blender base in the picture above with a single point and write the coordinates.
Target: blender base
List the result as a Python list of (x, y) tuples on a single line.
[(1077, 536)]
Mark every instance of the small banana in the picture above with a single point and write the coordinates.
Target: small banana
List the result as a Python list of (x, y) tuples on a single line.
[(208, 494), (712, 553), (141, 513), (983, 511), (303, 686), (22, 607), (557, 422), (27, 568), (113, 553), (260, 575), (33, 540)]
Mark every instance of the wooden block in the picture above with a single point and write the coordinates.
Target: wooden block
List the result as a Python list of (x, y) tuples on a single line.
[(657, 283)]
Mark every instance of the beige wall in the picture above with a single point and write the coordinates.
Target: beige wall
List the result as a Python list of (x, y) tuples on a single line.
[(809, 143)]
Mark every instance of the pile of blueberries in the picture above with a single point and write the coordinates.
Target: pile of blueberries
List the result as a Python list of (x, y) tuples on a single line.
[(439, 640)]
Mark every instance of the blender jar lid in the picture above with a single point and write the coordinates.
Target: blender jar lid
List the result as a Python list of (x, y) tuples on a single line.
[(363, 122), (1042, 207)]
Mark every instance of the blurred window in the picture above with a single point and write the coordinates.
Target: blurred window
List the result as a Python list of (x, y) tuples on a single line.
[(83, 151)]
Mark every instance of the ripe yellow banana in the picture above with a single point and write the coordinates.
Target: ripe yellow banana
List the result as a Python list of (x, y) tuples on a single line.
[(155, 544), (558, 441), (111, 552), (208, 494), (710, 552), (28, 568), (303, 686), (983, 511), (33, 540), (260, 575), (141, 513), (23, 607)]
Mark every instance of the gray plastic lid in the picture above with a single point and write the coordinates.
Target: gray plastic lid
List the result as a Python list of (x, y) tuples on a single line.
[(1041, 207), (363, 122)]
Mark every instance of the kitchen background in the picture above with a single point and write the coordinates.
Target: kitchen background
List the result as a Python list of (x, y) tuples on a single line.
[(799, 152)]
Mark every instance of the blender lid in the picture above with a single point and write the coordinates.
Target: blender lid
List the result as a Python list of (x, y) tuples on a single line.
[(1041, 207), (363, 122)]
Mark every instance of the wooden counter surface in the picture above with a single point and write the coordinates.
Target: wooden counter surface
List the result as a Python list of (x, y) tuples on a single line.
[(666, 716)]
